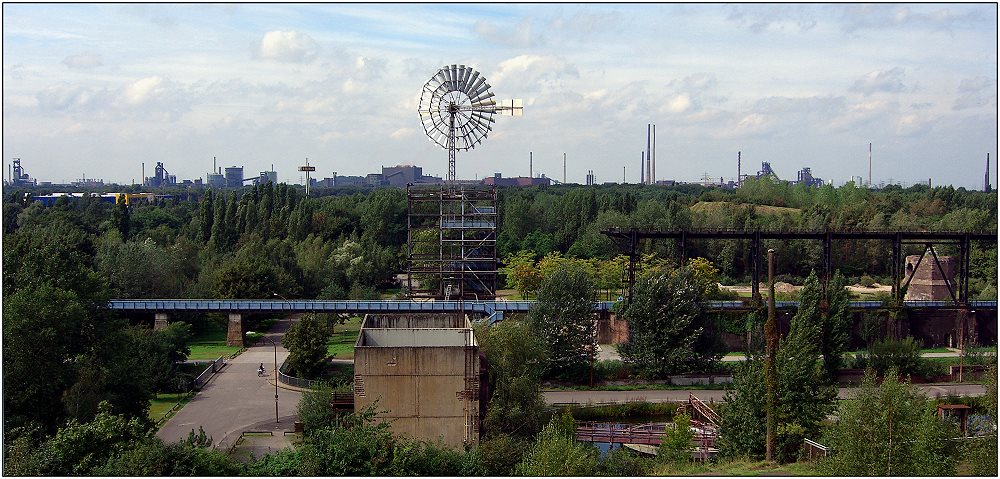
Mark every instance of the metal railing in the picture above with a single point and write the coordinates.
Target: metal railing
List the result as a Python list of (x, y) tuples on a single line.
[(483, 307), (297, 382), (207, 374), (815, 450)]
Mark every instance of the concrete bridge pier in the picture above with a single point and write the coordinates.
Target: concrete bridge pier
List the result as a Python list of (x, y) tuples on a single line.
[(160, 321), (234, 335)]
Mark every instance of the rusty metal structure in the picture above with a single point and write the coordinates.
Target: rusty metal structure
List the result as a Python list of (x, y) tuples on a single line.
[(451, 243), (628, 242)]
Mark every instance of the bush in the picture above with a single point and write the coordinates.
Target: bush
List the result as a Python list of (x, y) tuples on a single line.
[(500, 454), (632, 409), (622, 462), (866, 281), (675, 446), (611, 370), (902, 354)]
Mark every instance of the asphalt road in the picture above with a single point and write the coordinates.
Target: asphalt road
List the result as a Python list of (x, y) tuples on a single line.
[(237, 400), (597, 397)]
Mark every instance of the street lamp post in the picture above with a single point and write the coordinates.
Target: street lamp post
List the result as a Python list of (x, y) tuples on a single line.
[(275, 373)]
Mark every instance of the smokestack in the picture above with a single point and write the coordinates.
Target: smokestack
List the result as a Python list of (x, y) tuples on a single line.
[(624, 176), (143, 172), (642, 167), (652, 178), (213, 163), (869, 165), (531, 164), (986, 179), (564, 168), (739, 169), (649, 159)]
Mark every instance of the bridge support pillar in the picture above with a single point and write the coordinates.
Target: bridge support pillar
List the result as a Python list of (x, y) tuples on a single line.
[(234, 336), (160, 321)]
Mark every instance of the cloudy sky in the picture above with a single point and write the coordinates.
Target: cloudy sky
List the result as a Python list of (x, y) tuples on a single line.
[(96, 90)]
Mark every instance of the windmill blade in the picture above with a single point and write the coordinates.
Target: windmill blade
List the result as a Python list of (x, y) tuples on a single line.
[(484, 101), (449, 73), (463, 83), (482, 118), (483, 93), (471, 83), (454, 77), (479, 87)]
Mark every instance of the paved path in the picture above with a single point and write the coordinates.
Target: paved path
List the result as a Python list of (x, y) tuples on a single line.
[(609, 352), (237, 400), (652, 395)]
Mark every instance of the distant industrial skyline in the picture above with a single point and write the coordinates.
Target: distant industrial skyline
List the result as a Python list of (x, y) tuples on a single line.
[(98, 89)]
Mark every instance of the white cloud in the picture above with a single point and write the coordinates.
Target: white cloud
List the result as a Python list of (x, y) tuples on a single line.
[(976, 92), (887, 81), (83, 60), (525, 72), (143, 90), (521, 36), (677, 104), (402, 133), (287, 46)]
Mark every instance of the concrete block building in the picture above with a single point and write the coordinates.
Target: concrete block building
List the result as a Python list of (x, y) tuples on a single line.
[(425, 373)]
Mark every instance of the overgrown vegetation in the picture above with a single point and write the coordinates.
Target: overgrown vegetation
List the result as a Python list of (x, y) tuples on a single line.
[(89, 412)]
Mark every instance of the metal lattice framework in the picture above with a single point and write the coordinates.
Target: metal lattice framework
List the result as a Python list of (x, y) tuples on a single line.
[(457, 110), (451, 243)]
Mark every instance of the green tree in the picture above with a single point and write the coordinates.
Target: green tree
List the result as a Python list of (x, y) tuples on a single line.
[(889, 429), (79, 448), (675, 447), (981, 452), (556, 453), (42, 329), (742, 427), (205, 217), (669, 332), (805, 395), (527, 279), (836, 326), (306, 342), (516, 358), (358, 446), (564, 319), (120, 218)]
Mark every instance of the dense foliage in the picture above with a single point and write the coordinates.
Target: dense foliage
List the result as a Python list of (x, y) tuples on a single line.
[(87, 414), (668, 331), (564, 320), (890, 429)]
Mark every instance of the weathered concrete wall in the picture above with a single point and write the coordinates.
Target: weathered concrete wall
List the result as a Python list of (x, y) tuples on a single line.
[(415, 320), (426, 382)]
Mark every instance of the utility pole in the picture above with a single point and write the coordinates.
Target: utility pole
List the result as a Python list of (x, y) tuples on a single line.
[(770, 372), (564, 168)]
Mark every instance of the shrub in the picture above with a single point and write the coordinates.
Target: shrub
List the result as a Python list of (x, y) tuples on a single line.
[(675, 447), (902, 355)]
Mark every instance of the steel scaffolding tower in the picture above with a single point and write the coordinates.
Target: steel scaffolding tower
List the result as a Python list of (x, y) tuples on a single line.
[(451, 242)]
